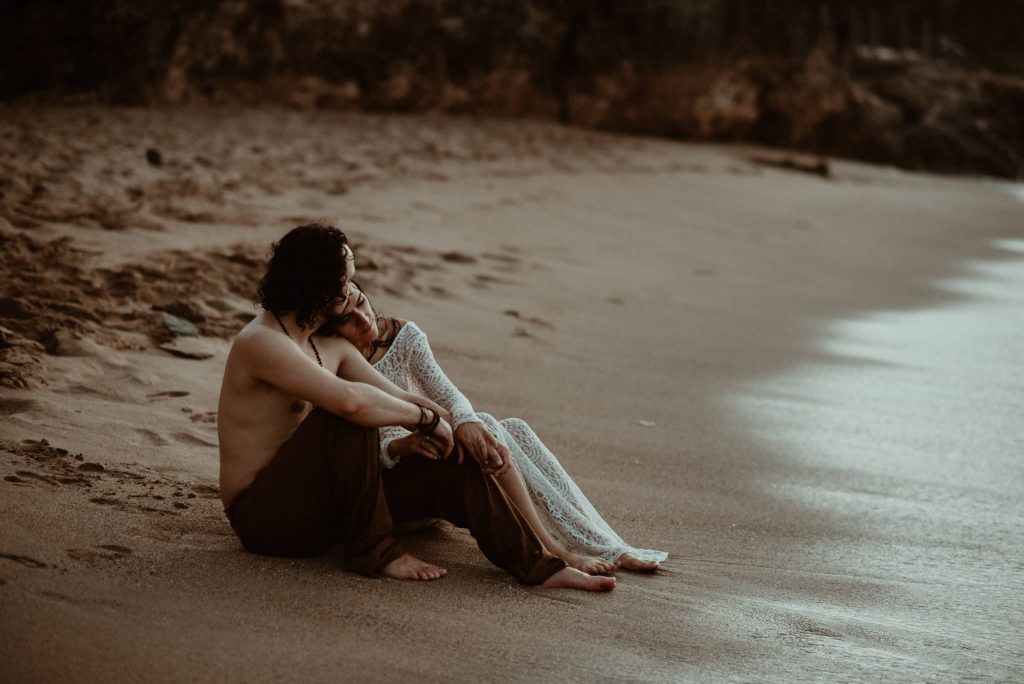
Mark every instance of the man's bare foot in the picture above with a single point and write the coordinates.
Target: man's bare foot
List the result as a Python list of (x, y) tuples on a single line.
[(592, 565), (628, 561), (571, 578), (409, 567)]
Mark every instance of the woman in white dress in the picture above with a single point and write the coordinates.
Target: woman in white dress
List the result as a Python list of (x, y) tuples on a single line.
[(531, 476)]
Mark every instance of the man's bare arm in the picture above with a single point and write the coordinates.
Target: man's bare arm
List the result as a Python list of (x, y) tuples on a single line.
[(356, 368), (276, 360)]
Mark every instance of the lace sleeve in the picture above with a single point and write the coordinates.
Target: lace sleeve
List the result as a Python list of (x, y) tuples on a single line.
[(428, 375), (387, 436)]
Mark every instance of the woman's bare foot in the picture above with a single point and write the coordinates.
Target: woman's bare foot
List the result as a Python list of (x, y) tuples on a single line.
[(409, 567), (571, 578), (592, 565), (628, 561)]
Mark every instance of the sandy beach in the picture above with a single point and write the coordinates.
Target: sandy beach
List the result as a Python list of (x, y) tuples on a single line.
[(806, 389)]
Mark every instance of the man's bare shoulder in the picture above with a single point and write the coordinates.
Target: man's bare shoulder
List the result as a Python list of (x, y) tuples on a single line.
[(334, 350), (253, 342), (333, 342), (253, 328)]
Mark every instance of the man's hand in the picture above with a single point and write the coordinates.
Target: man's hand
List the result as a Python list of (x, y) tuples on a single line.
[(435, 446), (414, 444), (483, 447), (443, 437)]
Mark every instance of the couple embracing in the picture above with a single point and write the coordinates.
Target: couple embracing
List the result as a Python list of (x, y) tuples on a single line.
[(336, 424)]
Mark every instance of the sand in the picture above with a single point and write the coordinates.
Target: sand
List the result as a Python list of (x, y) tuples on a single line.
[(674, 320)]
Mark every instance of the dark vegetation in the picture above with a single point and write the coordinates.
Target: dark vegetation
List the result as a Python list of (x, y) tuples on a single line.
[(929, 84)]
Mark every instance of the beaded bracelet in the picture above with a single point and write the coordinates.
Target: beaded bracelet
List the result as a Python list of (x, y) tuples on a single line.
[(423, 428)]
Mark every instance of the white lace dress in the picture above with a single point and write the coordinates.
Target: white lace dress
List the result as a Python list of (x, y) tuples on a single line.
[(569, 516)]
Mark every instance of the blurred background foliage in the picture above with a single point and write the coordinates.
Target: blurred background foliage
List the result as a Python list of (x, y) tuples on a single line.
[(925, 84)]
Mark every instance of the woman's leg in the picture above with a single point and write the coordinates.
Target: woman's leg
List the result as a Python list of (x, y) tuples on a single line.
[(539, 456), (514, 486)]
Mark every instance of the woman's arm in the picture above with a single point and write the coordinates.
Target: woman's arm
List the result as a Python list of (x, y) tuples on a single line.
[(471, 437), (424, 369)]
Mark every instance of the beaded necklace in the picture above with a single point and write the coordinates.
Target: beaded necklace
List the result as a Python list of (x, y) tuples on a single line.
[(311, 343)]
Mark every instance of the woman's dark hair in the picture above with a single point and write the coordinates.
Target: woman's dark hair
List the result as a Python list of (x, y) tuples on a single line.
[(306, 273)]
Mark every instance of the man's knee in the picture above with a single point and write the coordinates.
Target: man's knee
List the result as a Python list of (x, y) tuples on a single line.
[(351, 442), (339, 426)]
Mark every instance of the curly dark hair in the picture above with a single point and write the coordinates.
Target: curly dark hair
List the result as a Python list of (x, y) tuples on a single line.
[(306, 273)]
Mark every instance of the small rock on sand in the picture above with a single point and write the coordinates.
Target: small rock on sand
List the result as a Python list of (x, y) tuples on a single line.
[(189, 348), (179, 326)]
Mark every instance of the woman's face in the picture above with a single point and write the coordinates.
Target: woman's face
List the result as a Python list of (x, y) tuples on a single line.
[(357, 321)]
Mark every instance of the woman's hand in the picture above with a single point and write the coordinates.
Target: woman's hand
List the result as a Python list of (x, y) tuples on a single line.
[(483, 447)]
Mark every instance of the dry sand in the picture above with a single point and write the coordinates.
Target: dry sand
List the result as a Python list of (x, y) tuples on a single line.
[(583, 282)]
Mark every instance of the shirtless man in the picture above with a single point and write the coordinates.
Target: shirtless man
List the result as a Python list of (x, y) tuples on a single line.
[(299, 462)]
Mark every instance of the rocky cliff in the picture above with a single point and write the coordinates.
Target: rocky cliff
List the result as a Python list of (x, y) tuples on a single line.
[(929, 85)]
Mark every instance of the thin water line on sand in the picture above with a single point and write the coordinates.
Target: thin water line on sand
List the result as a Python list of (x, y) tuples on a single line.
[(798, 571)]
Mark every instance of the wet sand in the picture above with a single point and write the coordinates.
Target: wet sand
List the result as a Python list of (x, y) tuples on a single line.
[(837, 489)]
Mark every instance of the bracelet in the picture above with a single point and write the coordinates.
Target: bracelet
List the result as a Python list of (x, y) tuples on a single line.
[(422, 426), (424, 423)]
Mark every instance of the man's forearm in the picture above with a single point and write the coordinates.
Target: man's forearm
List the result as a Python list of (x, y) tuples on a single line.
[(429, 403), (372, 407)]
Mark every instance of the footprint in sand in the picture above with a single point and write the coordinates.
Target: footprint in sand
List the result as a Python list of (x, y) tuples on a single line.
[(152, 437), (99, 552), (56, 480), (458, 258), (206, 491), (204, 417), (191, 439), (168, 394), (36, 476), (441, 292), (488, 279), (115, 487), (534, 320), (27, 561)]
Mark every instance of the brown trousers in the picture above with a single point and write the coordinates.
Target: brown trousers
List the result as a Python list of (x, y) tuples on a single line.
[(324, 486)]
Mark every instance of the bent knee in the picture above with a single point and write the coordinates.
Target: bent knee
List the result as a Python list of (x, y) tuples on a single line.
[(516, 425), (342, 427)]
